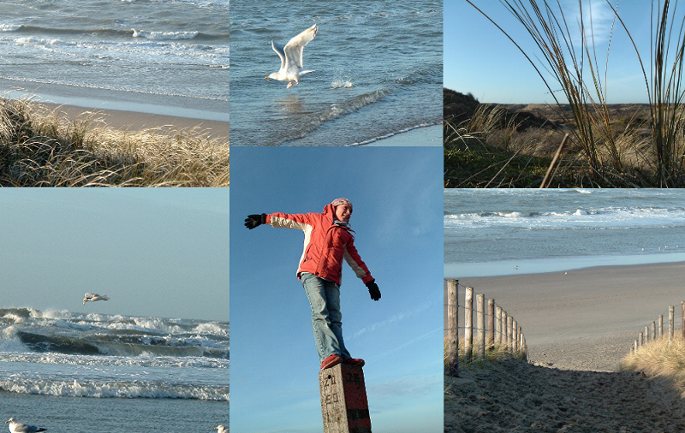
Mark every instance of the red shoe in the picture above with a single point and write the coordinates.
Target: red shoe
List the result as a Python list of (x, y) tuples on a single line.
[(331, 360), (358, 362)]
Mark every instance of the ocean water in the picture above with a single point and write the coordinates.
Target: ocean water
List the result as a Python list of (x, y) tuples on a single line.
[(152, 56), (378, 71), (93, 372), (506, 231)]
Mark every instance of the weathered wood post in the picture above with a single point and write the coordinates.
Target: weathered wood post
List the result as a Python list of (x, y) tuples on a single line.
[(499, 325), (510, 335), (682, 315), (344, 406), (646, 333), (480, 315), (642, 338), (491, 325), (505, 321), (515, 326), (452, 343), (634, 345), (671, 322), (661, 325), (468, 323), (654, 330)]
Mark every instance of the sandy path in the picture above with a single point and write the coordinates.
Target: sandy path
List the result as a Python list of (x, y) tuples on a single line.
[(578, 326), (513, 396), (586, 319)]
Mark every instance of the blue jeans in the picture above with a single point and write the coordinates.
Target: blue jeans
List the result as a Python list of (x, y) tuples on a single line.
[(324, 298)]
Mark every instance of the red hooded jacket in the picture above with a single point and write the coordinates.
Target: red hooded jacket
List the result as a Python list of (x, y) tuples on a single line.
[(325, 244)]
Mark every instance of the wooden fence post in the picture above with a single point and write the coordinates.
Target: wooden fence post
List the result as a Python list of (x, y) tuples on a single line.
[(480, 314), (682, 315), (499, 324), (671, 321), (452, 328), (642, 338), (510, 336), (468, 323), (654, 330), (491, 325), (505, 322), (646, 333), (661, 325), (515, 325)]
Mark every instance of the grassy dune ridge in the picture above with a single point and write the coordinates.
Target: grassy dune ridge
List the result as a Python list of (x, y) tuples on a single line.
[(43, 147)]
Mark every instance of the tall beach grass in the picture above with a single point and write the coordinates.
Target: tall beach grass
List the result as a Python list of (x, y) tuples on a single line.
[(660, 358), (39, 147), (566, 59)]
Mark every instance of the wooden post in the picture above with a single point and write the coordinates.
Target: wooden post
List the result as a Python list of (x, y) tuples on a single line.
[(344, 406), (510, 335), (491, 325), (480, 315), (654, 330), (682, 315), (646, 333), (515, 325), (452, 343), (499, 325), (468, 323), (505, 321), (642, 338), (671, 322), (634, 345), (661, 325)]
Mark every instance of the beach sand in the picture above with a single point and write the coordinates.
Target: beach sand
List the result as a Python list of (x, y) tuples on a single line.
[(136, 121), (578, 325)]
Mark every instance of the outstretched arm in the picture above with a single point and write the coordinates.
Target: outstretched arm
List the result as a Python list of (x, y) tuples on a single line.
[(362, 271)]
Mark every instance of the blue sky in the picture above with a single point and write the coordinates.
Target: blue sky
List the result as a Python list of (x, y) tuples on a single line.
[(479, 59), (397, 198), (155, 251)]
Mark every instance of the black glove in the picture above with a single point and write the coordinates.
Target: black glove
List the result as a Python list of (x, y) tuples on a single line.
[(255, 220), (374, 291)]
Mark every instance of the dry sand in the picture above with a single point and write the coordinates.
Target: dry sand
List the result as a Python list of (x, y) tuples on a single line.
[(578, 326), (133, 121)]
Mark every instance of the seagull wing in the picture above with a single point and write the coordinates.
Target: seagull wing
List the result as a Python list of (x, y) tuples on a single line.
[(295, 46), (279, 50)]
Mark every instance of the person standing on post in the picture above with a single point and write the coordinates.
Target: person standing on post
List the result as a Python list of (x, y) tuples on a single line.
[(328, 239)]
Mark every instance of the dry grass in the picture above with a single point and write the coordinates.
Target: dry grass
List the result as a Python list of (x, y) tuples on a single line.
[(660, 358), (39, 148)]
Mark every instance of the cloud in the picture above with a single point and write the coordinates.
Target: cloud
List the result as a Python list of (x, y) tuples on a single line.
[(597, 21)]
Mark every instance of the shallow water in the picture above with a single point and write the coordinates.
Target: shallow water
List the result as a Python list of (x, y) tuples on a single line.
[(378, 71), (156, 56)]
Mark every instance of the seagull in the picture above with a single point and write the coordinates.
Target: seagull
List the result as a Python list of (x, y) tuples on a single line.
[(92, 297), (221, 429), (17, 427), (291, 58)]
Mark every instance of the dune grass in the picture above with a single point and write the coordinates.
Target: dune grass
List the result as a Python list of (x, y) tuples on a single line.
[(41, 148), (613, 154), (659, 358)]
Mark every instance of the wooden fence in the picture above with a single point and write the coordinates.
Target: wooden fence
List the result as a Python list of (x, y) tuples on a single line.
[(655, 330), (494, 328)]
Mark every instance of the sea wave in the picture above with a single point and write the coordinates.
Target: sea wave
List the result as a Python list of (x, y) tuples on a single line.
[(113, 389), (114, 33)]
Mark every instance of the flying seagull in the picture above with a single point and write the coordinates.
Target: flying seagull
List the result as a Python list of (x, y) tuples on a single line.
[(291, 58), (221, 429), (17, 427), (92, 297)]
